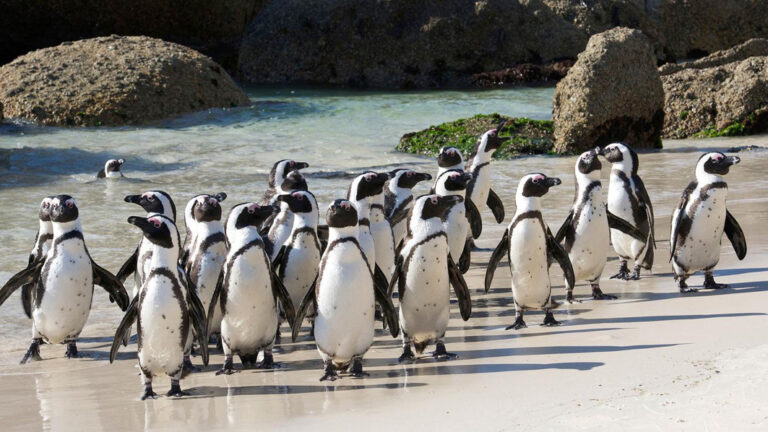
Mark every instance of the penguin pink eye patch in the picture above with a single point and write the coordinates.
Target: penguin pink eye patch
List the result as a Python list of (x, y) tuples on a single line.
[(492, 132), (346, 205), (298, 196), (717, 157), (148, 195), (155, 221), (433, 198), (537, 178), (252, 208), (370, 176), (69, 203)]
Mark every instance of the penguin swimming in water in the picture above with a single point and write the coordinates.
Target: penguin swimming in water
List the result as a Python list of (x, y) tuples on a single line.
[(277, 228), (585, 231), (248, 294), (425, 272), (699, 221), (398, 199), (111, 169), (61, 299), (43, 240), (479, 188), (457, 221), (345, 294), (296, 264), (530, 247), (163, 310), (277, 174), (629, 200)]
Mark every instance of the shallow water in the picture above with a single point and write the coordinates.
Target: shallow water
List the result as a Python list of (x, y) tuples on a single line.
[(338, 132)]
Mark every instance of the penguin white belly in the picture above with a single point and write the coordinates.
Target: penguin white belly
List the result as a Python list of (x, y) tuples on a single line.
[(345, 302), (365, 238), (301, 267), (481, 188), (207, 276), (425, 304), (701, 248), (528, 264), (590, 247), (66, 302), (251, 318), (456, 228), (619, 204), (280, 231), (161, 342), (384, 246), (399, 230)]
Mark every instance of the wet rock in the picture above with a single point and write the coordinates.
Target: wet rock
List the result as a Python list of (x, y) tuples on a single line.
[(751, 48), (113, 81), (612, 93), (526, 73)]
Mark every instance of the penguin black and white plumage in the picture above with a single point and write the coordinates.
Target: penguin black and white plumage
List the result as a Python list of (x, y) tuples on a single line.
[(699, 221), (163, 310), (425, 272), (206, 249), (278, 227), (398, 199), (43, 240), (383, 236), (479, 188), (629, 200), (61, 299), (277, 174), (248, 294), (585, 232), (454, 182), (449, 158), (345, 295), (530, 247), (111, 169)]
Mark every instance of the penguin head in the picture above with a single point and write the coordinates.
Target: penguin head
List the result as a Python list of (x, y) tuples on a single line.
[(341, 214), (715, 163), (407, 178), (293, 181), (64, 209), (157, 228), (112, 167), (249, 214), (536, 185), (44, 214), (207, 208), (435, 206), (367, 185), (281, 169), (452, 181), (621, 156), (588, 163), (299, 201), (490, 141), (449, 157), (154, 201)]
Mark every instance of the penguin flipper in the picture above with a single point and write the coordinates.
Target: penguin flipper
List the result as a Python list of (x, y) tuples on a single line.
[(473, 217), (460, 288), (615, 222), (278, 259), (395, 276), (388, 310), (124, 328), (398, 216), (24, 277), (217, 292), (101, 174), (111, 284), (566, 229), (561, 256), (129, 266), (642, 193), (465, 258), (26, 299), (281, 295), (678, 215), (735, 235), (198, 320), (501, 249), (496, 206), (380, 280), (322, 232), (301, 312)]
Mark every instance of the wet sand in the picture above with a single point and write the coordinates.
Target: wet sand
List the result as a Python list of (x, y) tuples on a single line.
[(653, 359)]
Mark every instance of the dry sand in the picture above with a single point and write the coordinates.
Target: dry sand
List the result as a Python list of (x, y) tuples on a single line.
[(652, 360)]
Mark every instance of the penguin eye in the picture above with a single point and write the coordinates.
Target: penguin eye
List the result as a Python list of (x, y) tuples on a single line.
[(299, 197), (717, 158), (156, 223), (433, 199), (291, 163), (410, 173), (69, 204), (251, 210), (151, 198)]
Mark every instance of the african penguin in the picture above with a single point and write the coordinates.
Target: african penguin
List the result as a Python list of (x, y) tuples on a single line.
[(43, 240), (383, 236), (629, 200), (61, 299), (277, 174), (449, 158), (280, 225), (479, 188), (454, 183), (530, 247), (111, 169), (425, 272), (398, 199), (699, 221)]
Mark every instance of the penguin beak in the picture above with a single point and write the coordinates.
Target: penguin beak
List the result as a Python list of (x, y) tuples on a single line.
[(382, 177), (141, 222), (553, 181), (300, 165), (287, 198), (600, 151), (221, 196), (731, 160), (135, 199), (423, 177)]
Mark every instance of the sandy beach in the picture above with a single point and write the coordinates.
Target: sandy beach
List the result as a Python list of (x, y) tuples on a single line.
[(651, 360)]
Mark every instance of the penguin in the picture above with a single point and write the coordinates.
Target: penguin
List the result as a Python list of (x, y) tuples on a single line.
[(479, 188), (448, 158), (398, 199), (163, 310), (277, 228), (345, 295), (111, 169), (530, 247), (206, 249), (277, 174), (43, 240), (296, 264), (457, 221), (629, 200), (699, 221), (425, 271), (61, 300), (585, 232), (248, 294)]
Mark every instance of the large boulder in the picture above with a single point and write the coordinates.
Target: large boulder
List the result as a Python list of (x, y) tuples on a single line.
[(113, 81), (612, 93), (400, 43)]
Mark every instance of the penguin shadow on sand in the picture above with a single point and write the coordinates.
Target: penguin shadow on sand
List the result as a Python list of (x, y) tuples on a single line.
[(204, 392)]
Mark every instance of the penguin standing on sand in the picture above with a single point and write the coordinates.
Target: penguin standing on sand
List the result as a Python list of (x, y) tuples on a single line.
[(111, 169), (247, 295), (277, 174), (43, 240), (425, 272), (628, 199), (585, 231), (530, 247), (457, 221), (398, 199), (345, 295), (479, 188), (61, 299), (162, 309), (699, 221), (277, 228)]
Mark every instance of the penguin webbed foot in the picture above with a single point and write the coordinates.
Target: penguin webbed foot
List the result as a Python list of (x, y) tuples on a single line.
[(709, 283), (441, 354), (518, 324), (550, 321), (356, 370), (176, 391), (33, 352), (683, 287), (268, 362), (72, 350), (226, 371), (329, 372), (189, 366), (407, 355), (623, 273), (598, 294), (148, 393), (570, 299)]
